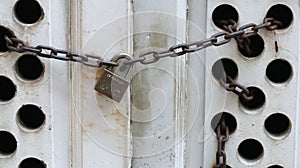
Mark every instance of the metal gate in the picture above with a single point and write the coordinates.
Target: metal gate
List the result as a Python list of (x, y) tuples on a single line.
[(51, 116)]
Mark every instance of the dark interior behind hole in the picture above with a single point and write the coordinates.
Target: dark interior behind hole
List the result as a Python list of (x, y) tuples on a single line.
[(4, 32), (225, 65), (281, 13), (256, 46), (29, 67), (32, 163), (8, 143), (224, 12), (31, 116), (250, 149), (28, 11)]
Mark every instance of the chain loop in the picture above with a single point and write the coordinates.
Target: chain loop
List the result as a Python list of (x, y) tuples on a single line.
[(231, 85), (222, 138)]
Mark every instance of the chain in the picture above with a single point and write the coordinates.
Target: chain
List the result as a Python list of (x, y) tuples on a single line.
[(241, 35), (149, 57), (233, 86), (17, 45), (222, 138)]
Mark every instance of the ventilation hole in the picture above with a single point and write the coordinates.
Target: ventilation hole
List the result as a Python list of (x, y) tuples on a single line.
[(279, 71), (28, 11), (29, 67), (31, 116), (4, 32), (281, 13), (8, 143), (256, 47), (257, 101), (224, 12), (229, 120), (32, 163), (277, 124), (7, 89), (250, 149), (275, 166), (227, 65)]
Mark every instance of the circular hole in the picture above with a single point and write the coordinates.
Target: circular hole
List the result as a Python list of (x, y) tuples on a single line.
[(4, 32), (8, 143), (250, 149), (275, 166), (32, 163), (256, 47), (28, 11), (227, 65), (257, 101), (31, 116), (224, 12), (279, 71), (281, 13), (229, 120), (29, 67), (7, 89), (277, 124)]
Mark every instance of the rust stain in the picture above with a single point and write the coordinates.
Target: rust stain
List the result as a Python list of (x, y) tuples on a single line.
[(91, 125), (116, 112), (99, 73)]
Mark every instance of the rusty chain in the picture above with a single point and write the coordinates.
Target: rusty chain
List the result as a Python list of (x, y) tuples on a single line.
[(218, 39), (241, 35), (149, 57), (17, 45), (222, 138), (233, 86)]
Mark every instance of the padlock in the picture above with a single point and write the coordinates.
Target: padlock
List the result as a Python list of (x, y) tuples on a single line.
[(112, 82)]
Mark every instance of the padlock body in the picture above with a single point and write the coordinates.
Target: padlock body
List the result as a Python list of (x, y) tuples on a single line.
[(111, 85)]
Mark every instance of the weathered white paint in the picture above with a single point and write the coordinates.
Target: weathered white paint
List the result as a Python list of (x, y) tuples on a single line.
[(173, 100), (252, 73), (101, 28), (51, 142)]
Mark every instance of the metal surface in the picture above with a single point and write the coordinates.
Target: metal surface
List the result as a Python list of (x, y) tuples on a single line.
[(280, 98), (51, 142)]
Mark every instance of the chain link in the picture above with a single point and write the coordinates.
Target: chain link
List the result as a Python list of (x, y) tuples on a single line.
[(222, 138), (17, 45), (233, 86)]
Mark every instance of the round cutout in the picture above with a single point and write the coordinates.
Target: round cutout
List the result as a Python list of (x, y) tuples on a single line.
[(275, 166), (7, 89), (224, 65), (250, 149), (29, 67), (224, 12), (229, 120), (258, 100), (279, 71), (255, 48), (281, 13), (28, 11), (4, 32), (32, 163), (31, 116), (8, 143), (277, 124)]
